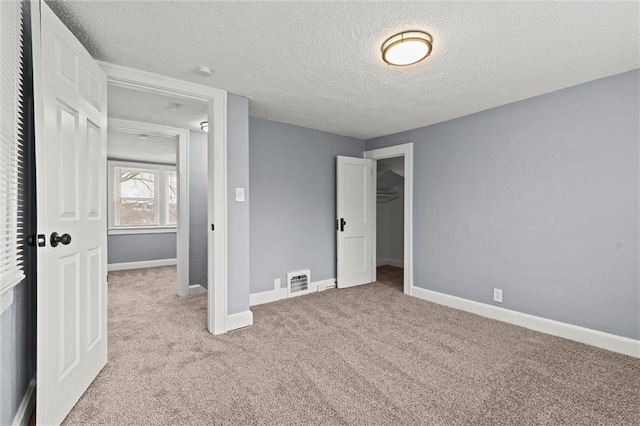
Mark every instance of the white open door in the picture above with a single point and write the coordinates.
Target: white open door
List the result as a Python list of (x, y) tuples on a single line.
[(355, 221), (71, 122)]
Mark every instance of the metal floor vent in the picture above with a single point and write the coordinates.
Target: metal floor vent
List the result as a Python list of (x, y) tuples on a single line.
[(298, 282)]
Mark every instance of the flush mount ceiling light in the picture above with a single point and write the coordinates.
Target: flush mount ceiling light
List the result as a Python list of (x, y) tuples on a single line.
[(406, 48), (204, 126)]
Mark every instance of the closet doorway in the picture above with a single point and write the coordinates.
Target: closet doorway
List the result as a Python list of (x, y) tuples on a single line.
[(390, 218), (393, 230)]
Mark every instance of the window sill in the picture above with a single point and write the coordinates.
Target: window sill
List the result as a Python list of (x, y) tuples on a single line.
[(145, 230)]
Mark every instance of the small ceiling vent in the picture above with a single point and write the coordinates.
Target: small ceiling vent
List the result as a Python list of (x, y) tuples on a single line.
[(298, 282)]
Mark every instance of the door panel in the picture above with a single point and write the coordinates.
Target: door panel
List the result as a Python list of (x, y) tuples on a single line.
[(69, 322), (67, 173), (92, 89), (66, 63), (355, 251), (94, 148), (71, 122), (355, 221), (355, 187), (95, 275)]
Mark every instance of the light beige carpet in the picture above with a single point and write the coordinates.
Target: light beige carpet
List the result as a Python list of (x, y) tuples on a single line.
[(366, 355)]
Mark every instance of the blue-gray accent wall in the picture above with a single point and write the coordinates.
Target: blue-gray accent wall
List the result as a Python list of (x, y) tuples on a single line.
[(293, 200), (141, 247), (17, 348), (538, 198)]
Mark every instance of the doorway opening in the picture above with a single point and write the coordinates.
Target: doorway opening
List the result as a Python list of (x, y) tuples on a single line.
[(157, 168), (394, 203), (216, 175), (390, 221)]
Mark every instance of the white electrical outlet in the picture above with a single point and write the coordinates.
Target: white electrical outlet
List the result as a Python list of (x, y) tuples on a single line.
[(276, 284), (497, 295)]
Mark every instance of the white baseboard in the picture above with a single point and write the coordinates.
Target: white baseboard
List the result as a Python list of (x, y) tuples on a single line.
[(239, 320), (26, 406), (281, 293), (611, 342), (267, 296), (139, 265), (390, 262), (196, 289), (323, 285)]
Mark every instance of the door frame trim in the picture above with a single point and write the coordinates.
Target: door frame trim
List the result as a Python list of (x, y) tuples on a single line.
[(182, 167), (217, 173), (406, 151)]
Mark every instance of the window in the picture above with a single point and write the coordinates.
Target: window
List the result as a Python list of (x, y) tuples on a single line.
[(172, 197), (142, 196), (136, 195), (11, 131)]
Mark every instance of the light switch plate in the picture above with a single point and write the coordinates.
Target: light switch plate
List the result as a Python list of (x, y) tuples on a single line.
[(240, 194)]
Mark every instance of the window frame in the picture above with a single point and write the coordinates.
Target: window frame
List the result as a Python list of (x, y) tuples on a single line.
[(160, 195), (167, 206)]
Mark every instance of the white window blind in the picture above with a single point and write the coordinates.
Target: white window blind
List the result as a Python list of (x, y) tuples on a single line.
[(11, 134)]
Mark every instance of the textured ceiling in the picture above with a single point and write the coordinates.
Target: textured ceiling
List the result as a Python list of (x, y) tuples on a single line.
[(317, 64), (129, 146), (155, 108)]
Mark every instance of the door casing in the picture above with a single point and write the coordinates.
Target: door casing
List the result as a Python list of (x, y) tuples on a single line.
[(405, 151), (216, 100)]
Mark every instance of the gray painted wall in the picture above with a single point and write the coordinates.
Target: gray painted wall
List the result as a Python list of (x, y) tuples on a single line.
[(293, 200), (238, 212), (141, 247), (538, 198), (198, 229), (17, 349)]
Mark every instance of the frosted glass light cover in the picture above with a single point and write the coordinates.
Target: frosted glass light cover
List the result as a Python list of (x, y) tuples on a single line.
[(406, 48)]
